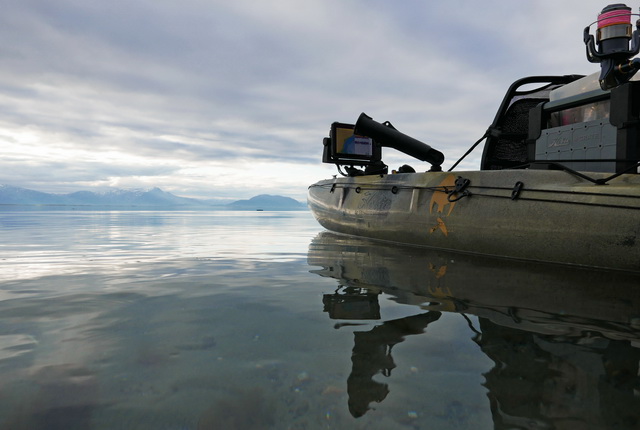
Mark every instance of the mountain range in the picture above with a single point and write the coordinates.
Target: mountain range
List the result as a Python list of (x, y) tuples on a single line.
[(154, 197)]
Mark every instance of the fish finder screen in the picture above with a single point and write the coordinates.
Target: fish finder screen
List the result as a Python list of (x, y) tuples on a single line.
[(348, 143), (346, 148)]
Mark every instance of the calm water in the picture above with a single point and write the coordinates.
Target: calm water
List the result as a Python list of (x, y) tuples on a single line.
[(259, 320)]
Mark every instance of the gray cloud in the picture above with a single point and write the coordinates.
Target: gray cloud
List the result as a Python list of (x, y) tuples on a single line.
[(169, 91)]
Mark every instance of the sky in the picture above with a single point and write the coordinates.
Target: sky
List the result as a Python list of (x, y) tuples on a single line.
[(231, 99)]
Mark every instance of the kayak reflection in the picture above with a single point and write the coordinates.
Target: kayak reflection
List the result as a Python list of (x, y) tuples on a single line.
[(565, 341), (371, 354)]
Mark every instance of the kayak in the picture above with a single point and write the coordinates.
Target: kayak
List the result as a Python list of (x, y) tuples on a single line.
[(558, 179)]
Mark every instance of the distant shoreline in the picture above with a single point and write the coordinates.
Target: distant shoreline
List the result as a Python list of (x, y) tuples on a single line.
[(153, 199), (19, 206)]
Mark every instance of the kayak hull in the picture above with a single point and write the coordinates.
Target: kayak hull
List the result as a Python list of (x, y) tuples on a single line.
[(541, 215)]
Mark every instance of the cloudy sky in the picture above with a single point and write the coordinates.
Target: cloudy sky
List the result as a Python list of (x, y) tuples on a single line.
[(229, 99)]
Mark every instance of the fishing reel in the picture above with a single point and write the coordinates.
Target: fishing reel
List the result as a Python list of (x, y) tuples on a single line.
[(613, 52)]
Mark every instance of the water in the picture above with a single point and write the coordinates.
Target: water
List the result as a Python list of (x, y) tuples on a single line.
[(259, 320)]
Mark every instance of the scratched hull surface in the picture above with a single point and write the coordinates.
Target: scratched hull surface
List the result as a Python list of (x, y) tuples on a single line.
[(541, 215)]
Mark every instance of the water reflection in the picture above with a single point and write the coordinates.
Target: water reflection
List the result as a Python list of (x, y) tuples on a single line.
[(565, 342), (52, 243)]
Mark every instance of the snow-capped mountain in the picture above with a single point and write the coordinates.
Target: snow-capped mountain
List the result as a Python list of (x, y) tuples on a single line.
[(137, 197)]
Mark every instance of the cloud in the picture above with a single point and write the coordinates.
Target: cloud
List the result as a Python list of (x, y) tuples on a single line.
[(208, 98)]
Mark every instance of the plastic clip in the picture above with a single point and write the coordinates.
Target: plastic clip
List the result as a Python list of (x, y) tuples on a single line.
[(517, 188), (460, 190)]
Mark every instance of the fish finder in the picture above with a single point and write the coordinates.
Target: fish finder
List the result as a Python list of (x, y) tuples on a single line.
[(343, 147)]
